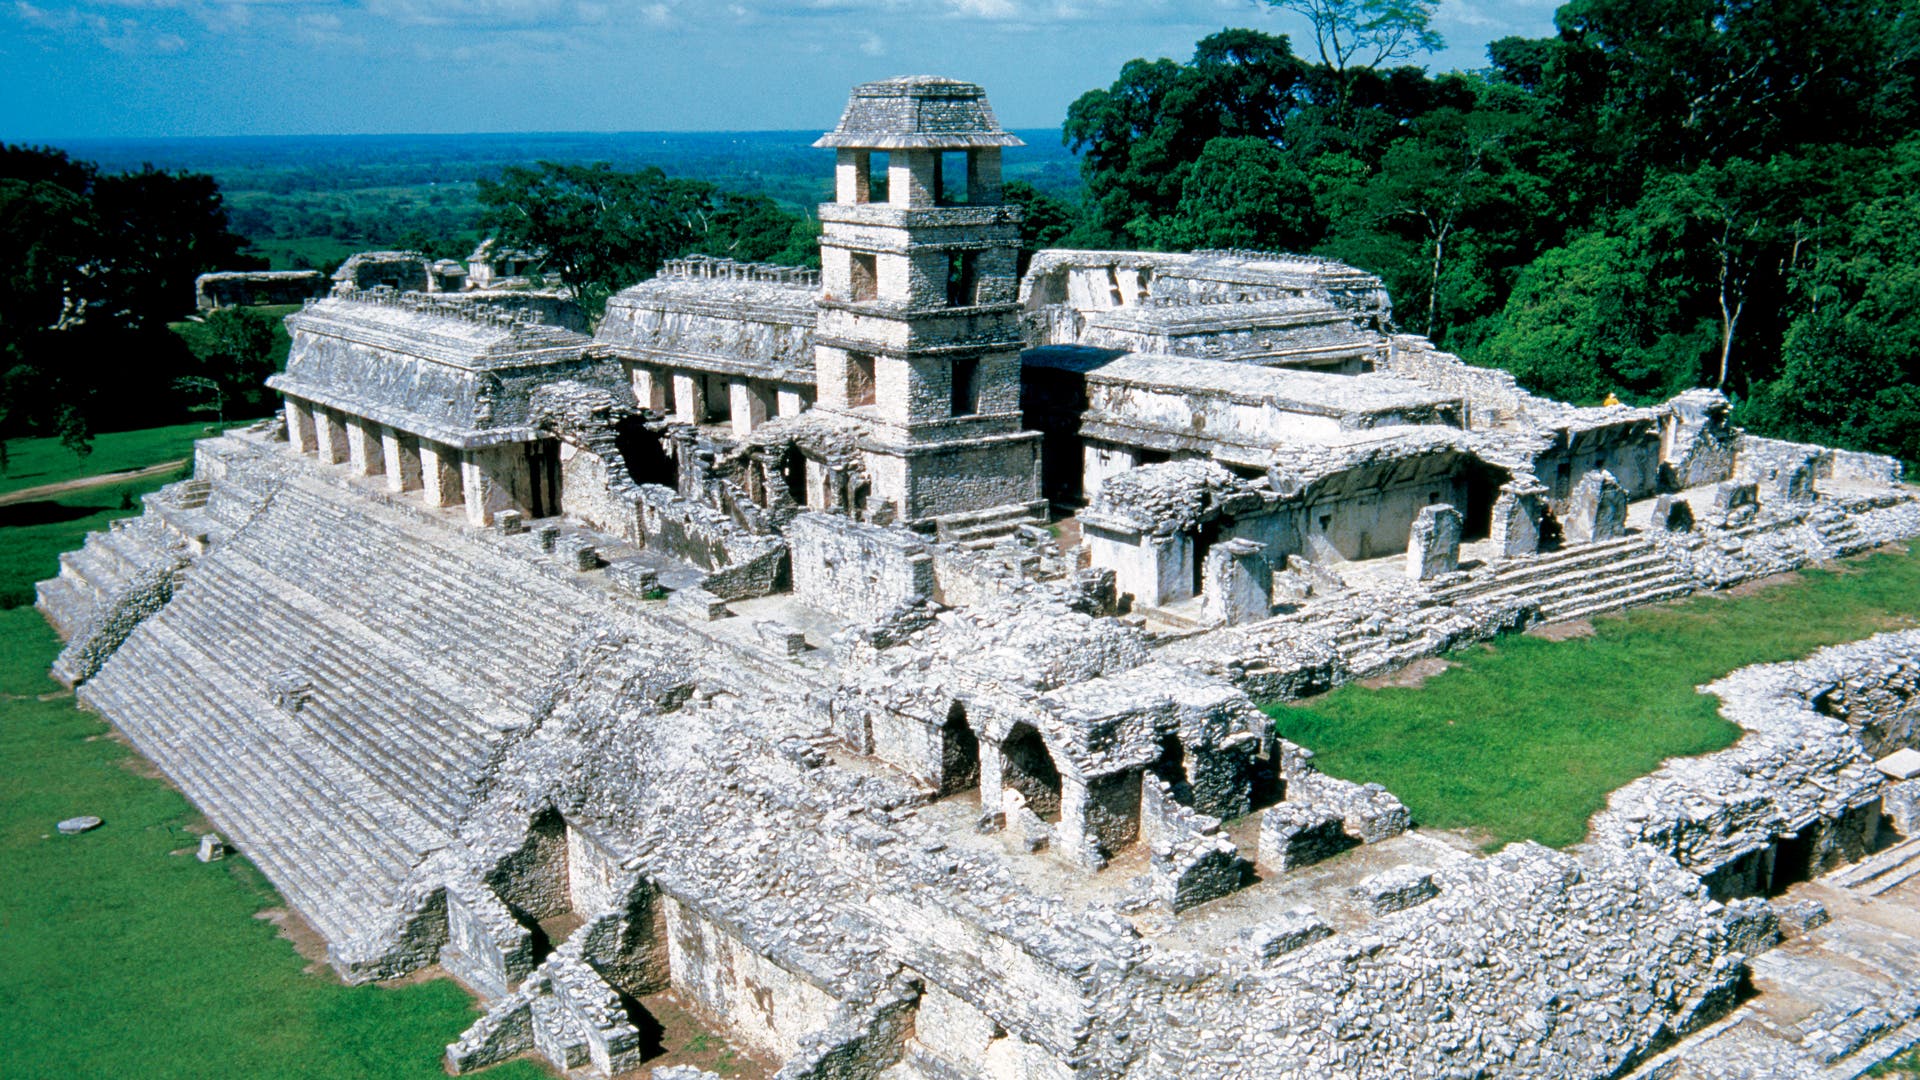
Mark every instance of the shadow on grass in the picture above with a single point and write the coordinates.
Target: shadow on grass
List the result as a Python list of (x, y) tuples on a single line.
[(45, 512)]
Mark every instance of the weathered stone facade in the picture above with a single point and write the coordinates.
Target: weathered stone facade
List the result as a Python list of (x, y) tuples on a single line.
[(723, 656)]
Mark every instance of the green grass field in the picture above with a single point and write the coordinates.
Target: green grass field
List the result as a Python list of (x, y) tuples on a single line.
[(33, 462), (122, 955), (1523, 739)]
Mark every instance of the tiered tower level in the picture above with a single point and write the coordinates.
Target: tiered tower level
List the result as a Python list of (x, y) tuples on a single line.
[(919, 329)]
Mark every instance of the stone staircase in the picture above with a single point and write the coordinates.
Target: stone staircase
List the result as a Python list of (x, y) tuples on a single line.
[(1581, 581), (1881, 872), (333, 686), (991, 524), (93, 575)]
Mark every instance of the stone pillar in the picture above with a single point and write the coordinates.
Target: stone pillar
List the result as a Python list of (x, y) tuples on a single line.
[(402, 455), (478, 488), (748, 406), (300, 436), (789, 402), (330, 435), (1515, 528), (649, 388), (1238, 582), (1597, 509), (992, 778), (363, 447), (1433, 544), (689, 397), (440, 474), (1101, 462)]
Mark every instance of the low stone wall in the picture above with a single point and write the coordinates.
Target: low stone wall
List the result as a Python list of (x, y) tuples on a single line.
[(1798, 795), (250, 288), (862, 571)]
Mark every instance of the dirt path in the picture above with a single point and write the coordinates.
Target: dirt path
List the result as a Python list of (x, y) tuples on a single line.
[(45, 491)]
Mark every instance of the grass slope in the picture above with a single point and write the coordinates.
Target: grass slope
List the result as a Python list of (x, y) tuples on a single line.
[(119, 957), (1525, 738), (33, 462)]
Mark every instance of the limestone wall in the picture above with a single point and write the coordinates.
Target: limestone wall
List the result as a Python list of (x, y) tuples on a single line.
[(862, 572)]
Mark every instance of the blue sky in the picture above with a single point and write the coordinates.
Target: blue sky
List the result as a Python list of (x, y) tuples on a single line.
[(90, 68)]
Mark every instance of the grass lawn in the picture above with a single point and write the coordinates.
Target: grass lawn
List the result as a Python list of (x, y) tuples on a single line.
[(119, 957), (1525, 738), (33, 534), (1904, 1067), (33, 462)]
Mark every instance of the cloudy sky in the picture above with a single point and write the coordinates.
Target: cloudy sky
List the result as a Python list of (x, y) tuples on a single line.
[(85, 68)]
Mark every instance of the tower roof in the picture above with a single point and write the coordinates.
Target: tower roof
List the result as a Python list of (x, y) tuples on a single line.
[(918, 112)]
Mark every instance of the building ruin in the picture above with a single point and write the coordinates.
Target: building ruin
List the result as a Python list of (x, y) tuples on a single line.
[(867, 660)]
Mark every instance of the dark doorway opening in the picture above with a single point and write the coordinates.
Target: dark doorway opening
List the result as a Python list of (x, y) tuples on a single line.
[(959, 753), (1028, 768), (648, 458)]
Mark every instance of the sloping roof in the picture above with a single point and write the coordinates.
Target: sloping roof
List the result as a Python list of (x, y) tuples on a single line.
[(918, 112)]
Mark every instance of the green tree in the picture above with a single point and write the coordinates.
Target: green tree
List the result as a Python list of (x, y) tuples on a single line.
[(602, 230), (1366, 34), (1241, 192), (233, 363), (1597, 317)]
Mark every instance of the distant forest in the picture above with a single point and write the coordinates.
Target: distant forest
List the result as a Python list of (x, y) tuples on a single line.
[(1664, 194)]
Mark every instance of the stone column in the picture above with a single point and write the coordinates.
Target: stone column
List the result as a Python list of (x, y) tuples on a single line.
[(478, 488), (748, 406), (992, 778), (649, 388), (402, 455), (1238, 582), (1515, 528), (363, 447), (440, 474), (300, 436), (689, 397), (1433, 544), (330, 434), (1597, 509), (789, 402)]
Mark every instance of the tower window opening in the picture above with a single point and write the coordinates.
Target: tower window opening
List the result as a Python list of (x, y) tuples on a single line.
[(950, 178), (877, 176), (966, 387), (961, 278), (859, 379), (866, 277)]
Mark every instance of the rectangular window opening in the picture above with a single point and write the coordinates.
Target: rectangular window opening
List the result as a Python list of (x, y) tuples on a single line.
[(961, 283), (877, 176), (966, 387), (950, 178), (859, 379), (866, 277)]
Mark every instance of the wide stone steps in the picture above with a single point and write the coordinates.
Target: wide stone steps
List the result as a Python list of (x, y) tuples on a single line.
[(95, 572), (363, 706), (1588, 580), (1883, 871), (459, 604), (337, 850)]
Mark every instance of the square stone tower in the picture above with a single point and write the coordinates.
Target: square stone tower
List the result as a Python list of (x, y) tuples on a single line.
[(919, 328)]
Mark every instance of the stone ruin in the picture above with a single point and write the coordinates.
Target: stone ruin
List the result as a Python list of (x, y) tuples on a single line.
[(866, 661)]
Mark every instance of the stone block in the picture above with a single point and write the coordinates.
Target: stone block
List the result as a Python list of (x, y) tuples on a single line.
[(1293, 929), (780, 637), (1800, 916), (1239, 582), (1515, 524), (1752, 926), (510, 522), (700, 604), (1903, 764), (547, 537), (584, 557), (1433, 544), (1597, 509), (1672, 514), (1735, 503), (1191, 872), (635, 579), (1900, 804), (1397, 889), (212, 848), (1293, 835)]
